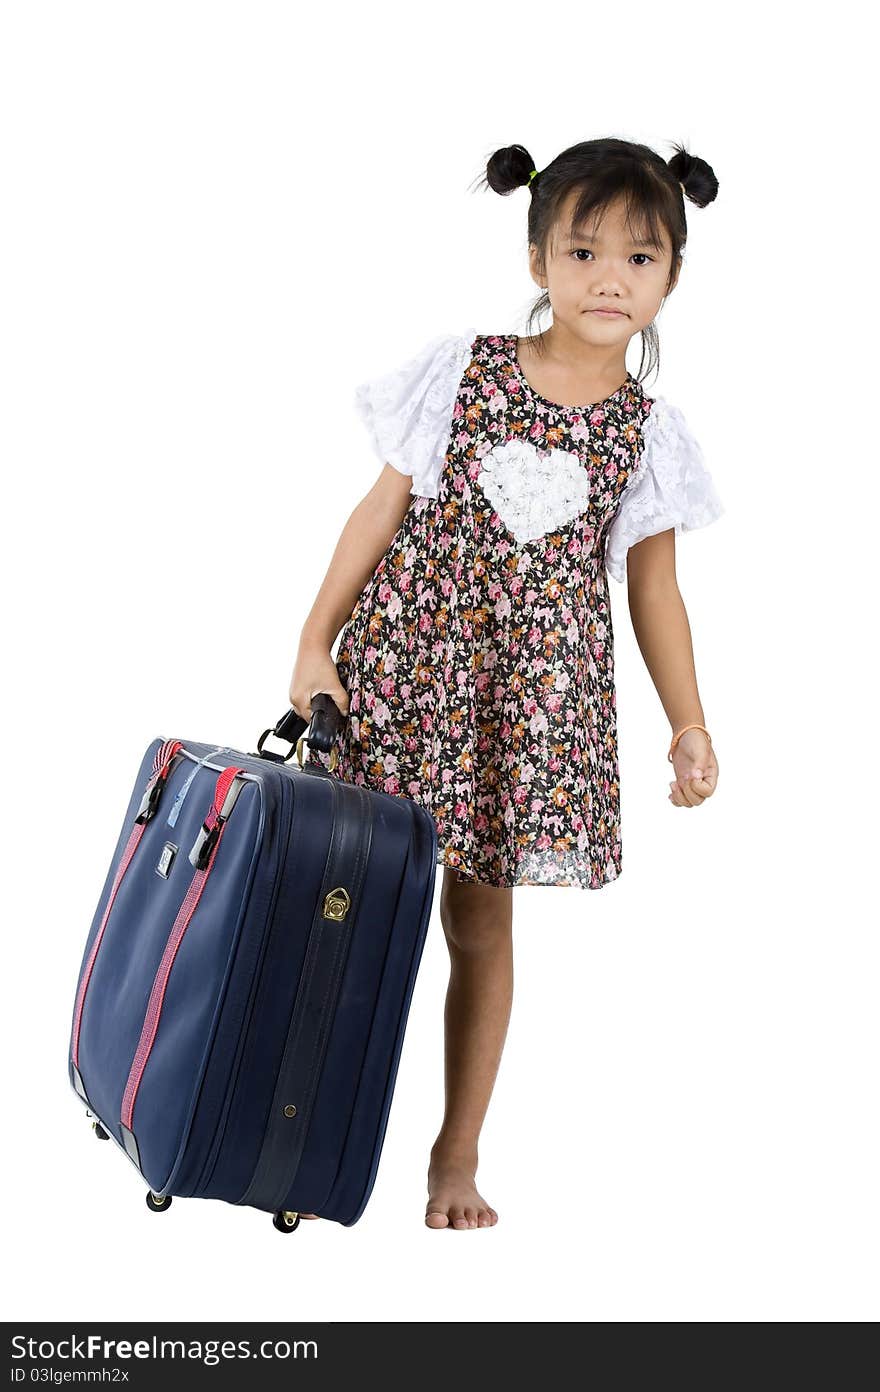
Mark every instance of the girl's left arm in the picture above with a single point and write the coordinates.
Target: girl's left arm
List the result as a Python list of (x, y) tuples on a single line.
[(663, 633)]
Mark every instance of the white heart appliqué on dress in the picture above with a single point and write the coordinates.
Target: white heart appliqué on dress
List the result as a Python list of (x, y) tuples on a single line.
[(534, 493)]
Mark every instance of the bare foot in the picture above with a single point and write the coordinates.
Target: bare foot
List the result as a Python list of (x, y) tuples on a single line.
[(453, 1200)]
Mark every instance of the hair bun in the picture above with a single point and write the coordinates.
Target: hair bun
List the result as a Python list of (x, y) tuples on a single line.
[(697, 177), (509, 168)]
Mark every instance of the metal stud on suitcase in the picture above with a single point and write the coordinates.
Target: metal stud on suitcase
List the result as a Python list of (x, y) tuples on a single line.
[(247, 977)]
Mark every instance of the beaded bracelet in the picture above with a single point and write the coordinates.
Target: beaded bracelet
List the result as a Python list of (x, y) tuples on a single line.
[(681, 732)]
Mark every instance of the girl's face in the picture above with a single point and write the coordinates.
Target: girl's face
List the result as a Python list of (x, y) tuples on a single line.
[(609, 270)]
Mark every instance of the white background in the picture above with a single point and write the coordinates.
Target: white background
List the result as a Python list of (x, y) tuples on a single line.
[(217, 220)]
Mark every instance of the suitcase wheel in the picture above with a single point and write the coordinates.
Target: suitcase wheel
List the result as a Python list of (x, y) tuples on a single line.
[(99, 1131), (156, 1204), (285, 1221)]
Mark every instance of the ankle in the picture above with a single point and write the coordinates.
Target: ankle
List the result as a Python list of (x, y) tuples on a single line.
[(448, 1151)]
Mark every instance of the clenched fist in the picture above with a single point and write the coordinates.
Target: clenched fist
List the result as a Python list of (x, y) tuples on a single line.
[(315, 671)]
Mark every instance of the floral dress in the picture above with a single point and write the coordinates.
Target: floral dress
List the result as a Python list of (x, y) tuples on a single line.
[(478, 657)]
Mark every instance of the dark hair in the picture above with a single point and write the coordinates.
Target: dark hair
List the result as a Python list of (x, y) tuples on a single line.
[(603, 171)]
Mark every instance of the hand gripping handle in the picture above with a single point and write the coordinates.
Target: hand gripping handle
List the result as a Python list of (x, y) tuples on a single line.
[(327, 720)]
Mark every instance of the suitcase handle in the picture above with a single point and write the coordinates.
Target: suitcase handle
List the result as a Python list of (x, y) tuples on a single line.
[(327, 720)]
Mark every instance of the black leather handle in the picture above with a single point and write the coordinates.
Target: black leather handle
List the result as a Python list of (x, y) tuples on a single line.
[(327, 720)]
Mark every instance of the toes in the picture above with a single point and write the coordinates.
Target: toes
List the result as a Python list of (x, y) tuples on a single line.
[(435, 1218), (471, 1216), (458, 1218)]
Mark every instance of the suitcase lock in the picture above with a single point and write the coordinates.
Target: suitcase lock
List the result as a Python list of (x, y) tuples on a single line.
[(336, 904)]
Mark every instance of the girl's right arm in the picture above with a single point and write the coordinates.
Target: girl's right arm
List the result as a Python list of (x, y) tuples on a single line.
[(363, 541)]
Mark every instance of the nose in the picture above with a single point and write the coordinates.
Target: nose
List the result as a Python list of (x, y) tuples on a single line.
[(607, 282)]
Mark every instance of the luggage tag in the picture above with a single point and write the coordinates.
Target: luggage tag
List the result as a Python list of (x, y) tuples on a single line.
[(178, 801)]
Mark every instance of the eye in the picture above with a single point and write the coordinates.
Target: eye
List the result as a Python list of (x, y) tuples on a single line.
[(577, 252)]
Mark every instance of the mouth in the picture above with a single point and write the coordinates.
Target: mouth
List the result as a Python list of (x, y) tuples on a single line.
[(608, 313)]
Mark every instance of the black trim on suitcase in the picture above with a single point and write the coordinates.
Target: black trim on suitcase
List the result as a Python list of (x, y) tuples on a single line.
[(131, 1145), (316, 999), (78, 1084)]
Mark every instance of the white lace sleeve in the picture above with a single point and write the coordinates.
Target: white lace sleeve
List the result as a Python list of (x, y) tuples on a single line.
[(670, 487), (408, 412)]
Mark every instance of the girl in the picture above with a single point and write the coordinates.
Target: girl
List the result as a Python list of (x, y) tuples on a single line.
[(476, 654)]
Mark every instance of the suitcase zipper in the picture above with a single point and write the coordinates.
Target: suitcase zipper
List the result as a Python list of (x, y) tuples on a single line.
[(202, 856), (164, 758), (209, 1164)]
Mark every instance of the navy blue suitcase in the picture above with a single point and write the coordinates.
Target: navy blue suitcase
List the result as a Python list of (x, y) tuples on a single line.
[(246, 981)]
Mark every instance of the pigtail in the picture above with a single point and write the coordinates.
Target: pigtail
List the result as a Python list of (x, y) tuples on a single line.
[(510, 168), (698, 177)]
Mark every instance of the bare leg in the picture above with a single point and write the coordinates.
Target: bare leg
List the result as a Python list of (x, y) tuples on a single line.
[(477, 920)]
